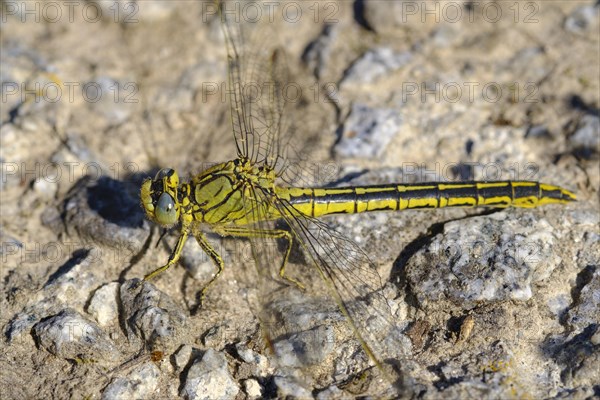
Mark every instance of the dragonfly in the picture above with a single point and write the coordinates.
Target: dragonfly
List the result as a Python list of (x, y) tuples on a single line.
[(245, 197)]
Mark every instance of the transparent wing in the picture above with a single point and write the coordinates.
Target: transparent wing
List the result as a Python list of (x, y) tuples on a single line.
[(350, 278), (256, 80), (255, 85)]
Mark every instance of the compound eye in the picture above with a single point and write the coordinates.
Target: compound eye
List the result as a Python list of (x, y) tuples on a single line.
[(164, 173), (165, 212)]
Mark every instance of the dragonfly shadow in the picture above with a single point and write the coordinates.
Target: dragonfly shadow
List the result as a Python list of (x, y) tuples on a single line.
[(115, 201), (398, 272), (297, 256), (76, 258), (575, 102)]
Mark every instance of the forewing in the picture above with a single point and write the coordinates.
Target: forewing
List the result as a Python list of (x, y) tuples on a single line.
[(256, 82), (256, 76)]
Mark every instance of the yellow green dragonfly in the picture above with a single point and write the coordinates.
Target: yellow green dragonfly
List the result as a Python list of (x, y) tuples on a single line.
[(243, 198)]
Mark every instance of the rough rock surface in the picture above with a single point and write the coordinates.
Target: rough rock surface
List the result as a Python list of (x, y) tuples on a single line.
[(488, 303)]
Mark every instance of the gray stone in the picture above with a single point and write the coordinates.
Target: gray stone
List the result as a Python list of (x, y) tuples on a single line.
[(176, 124), (582, 20), (182, 356), (332, 392), (446, 35), (587, 133), (70, 336), (317, 53), (209, 378), (46, 188), (490, 259), (307, 333), (77, 153), (287, 386), (151, 316), (69, 284), (576, 355), (309, 347), (252, 389), (388, 16), (537, 131), (141, 383), (300, 331), (197, 262), (216, 335), (586, 311), (367, 131), (103, 304), (258, 362), (104, 211), (24, 321), (373, 65)]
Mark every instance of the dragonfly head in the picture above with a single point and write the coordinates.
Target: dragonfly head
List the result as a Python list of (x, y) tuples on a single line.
[(159, 197)]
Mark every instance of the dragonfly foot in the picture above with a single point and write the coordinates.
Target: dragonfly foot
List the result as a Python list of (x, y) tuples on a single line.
[(292, 281), (135, 285), (202, 297)]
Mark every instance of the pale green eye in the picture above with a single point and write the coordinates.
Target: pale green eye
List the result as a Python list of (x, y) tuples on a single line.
[(165, 210)]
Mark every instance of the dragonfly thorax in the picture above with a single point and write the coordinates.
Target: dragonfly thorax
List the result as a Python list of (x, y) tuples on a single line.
[(258, 175)]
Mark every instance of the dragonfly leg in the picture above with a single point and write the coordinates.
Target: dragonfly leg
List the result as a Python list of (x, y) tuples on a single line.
[(289, 238), (270, 233), (208, 249), (173, 259)]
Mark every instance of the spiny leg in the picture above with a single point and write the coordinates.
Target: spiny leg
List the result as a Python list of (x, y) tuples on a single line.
[(173, 258), (270, 233), (208, 249)]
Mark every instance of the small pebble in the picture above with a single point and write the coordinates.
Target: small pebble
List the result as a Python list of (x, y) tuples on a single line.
[(287, 386), (209, 378), (141, 383), (367, 131), (252, 389), (253, 358), (46, 188), (587, 133), (305, 348), (582, 19), (103, 305), (182, 356), (375, 64)]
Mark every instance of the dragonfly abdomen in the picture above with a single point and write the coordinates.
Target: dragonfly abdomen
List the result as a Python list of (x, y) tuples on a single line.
[(324, 201)]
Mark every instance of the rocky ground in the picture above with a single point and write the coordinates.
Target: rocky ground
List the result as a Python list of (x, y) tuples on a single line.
[(487, 303)]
